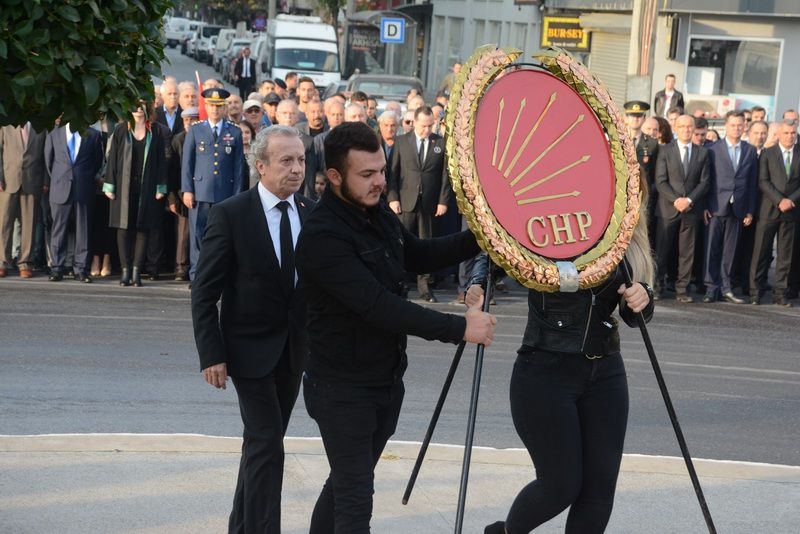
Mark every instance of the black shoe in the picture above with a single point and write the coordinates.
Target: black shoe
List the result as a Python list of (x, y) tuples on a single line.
[(708, 299), (125, 280), (783, 302), (56, 277), (733, 299), (755, 301), (153, 277), (428, 297), (83, 277), (181, 277), (136, 279)]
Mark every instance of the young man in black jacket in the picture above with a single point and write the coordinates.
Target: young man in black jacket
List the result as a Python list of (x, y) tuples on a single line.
[(352, 255)]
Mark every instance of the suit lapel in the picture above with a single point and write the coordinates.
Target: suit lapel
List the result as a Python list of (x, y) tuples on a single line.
[(794, 166)]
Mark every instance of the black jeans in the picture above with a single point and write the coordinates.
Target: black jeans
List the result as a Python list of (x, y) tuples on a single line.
[(571, 413), (355, 423)]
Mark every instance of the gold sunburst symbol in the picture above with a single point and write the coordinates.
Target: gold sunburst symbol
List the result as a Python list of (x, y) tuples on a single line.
[(505, 170)]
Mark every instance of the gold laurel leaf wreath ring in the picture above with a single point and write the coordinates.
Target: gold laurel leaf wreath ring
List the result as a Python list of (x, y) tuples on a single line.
[(528, 268)]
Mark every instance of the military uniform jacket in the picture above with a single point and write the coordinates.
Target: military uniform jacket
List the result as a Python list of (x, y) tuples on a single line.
[(211, 170)]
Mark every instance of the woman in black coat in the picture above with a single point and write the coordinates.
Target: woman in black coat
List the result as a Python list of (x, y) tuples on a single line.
[(136, 185)]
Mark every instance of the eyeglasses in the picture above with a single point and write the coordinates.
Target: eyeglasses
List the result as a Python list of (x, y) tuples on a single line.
[(253, 110)]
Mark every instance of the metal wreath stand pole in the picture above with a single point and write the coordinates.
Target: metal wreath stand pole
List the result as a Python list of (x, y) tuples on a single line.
[(676, 426), (472, 414)]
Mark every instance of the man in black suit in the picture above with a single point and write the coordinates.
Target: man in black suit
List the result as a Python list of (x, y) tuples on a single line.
[(731, 204), (668, 97), (779, 182), (244, 73), (683, 172), (170, 113), (258, 336), (73, 161), (417, 186)]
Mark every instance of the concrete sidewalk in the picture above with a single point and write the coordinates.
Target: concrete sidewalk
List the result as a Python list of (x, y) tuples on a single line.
[(184, 484)]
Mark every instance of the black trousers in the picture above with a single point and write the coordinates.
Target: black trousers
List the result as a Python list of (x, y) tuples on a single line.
[(685, 228), (766, 230), (132, 246), (266, 405), (355, 423), (421, 225), (571, 413)]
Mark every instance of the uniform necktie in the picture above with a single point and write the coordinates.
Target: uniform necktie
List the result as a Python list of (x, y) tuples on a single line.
[(686, 159), (287, 247), (421, 152), (71, 147), (787, 160), (216, 134)]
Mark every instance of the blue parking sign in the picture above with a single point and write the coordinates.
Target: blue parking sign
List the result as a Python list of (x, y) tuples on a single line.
[(393, 30)]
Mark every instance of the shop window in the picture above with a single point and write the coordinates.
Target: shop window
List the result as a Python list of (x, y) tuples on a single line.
[(731, 67)]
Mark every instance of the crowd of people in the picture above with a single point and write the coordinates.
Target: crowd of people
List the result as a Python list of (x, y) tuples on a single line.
[(718, 200)]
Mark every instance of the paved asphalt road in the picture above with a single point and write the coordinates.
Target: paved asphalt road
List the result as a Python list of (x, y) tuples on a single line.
[(101, 358)]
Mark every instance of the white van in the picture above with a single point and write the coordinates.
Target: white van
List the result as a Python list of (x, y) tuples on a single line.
[(301, 44), (175, 30)]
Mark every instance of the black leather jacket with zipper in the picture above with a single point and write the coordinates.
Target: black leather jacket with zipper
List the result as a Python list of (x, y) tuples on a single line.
[(581, 322)]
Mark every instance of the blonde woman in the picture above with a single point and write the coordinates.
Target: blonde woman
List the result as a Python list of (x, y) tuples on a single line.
[(569, 394)]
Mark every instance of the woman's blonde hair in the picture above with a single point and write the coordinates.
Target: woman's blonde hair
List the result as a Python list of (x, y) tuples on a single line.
[(639, 257)]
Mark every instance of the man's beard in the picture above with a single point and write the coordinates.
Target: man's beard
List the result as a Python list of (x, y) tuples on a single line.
[(348, 196)]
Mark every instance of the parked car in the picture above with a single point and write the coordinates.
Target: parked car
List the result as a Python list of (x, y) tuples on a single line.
[(384, 87), (336, 87), (184, 40), (212, 45)]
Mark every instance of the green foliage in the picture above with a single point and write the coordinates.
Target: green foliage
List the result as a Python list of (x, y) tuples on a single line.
[(79, 57), (332, 7)]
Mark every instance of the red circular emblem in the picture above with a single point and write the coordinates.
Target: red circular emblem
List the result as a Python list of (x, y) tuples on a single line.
[(542, 159)]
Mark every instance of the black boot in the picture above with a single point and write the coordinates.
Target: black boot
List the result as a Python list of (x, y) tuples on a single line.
[(137, 277), (126, 277), (498, 527)]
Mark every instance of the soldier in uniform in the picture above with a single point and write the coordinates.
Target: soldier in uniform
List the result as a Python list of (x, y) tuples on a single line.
[(211, 168), (646, 153)]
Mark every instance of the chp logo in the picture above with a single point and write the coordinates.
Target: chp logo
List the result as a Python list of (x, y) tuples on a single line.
[(542, 168)]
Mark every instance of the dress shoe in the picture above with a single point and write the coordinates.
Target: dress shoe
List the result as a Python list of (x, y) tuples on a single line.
[(755, 301), (783, 302), (708, 298), (24, 272), (153, 277), (83, 277), (460, 299), (181, 277), (733, 299), (105, 272), (125, 279), (136, 278), (56, 277), (3, 272), (428, 297), (684, 298)]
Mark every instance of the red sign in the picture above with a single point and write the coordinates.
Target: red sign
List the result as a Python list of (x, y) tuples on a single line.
[(543, 161)]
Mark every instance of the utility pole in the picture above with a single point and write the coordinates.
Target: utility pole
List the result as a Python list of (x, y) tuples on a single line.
[(271, 10), (642, 46)]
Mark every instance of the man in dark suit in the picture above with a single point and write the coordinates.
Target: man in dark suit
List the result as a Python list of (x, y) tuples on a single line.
[(211, 167), (258, 335), (731, 203), (73, 161), (21, 187), (244, 73), (683, 173), (668, 97), (779, 182), (417, 186), (170, 113)]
